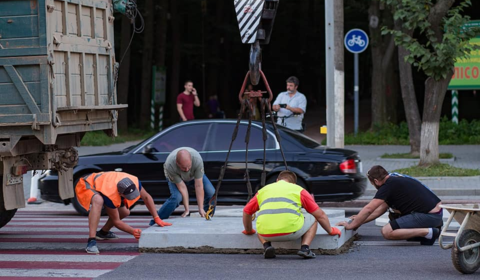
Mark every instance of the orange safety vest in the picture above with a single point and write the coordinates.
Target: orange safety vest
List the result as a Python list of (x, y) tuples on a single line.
[(106, 184)]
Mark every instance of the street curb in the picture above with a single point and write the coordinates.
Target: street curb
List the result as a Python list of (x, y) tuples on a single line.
[(448, 177), (362, 203), (413, 159)]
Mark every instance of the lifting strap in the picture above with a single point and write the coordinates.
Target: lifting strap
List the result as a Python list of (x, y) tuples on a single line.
[(247, 107)]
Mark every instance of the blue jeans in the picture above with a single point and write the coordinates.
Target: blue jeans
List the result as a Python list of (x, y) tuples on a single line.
[(176, 197)]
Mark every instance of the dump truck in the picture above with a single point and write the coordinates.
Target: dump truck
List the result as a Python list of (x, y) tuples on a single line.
[(57, 82)]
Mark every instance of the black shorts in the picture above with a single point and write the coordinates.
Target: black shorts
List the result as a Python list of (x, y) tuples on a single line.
[(418, 220)]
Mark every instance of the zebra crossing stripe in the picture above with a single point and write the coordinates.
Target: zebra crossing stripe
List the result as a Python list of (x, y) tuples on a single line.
[(66, 258), (248, 17), (84, 273)]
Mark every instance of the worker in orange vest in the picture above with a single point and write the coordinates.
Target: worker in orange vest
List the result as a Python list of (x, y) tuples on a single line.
[(117, 192)]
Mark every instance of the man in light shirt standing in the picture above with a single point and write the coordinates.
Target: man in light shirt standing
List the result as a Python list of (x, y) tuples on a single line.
[(290, 106)]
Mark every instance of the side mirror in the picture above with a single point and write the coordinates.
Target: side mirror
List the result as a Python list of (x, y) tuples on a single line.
[(148, 149)]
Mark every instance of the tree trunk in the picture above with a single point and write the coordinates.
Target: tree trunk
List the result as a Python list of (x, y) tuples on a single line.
[(124, 73), (382, 48), (412, 113), (409, 98), (147, 55), (392, 88), (176, 59), (379, 115), (214, 68), (434, 96), (161, 22)]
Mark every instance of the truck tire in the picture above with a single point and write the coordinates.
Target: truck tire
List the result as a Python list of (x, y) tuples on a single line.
[(5, 216)]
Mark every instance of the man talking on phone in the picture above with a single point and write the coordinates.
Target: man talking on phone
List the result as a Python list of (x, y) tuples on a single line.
[(290, 106), (186, 100)]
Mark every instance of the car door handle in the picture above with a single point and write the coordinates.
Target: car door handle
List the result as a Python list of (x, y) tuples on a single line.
[(258, 161)]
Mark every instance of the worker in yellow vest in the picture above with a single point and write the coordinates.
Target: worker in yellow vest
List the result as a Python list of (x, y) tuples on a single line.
[(117, 192), (280, 216)]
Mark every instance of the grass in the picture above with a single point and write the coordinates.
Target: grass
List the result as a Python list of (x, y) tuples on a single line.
[(462, 133), (99, 138), (410, 156), (437, 170)]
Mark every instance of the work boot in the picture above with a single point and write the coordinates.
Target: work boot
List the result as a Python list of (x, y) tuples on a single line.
[(306, 253), (269, 252), (110, 235), (430, 242), (92, 247)]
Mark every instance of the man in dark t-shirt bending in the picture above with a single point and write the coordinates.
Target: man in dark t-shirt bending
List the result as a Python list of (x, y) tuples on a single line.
[(417, 211)]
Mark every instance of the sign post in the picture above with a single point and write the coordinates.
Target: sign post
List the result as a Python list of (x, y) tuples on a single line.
[(356, 41), (158, 96)]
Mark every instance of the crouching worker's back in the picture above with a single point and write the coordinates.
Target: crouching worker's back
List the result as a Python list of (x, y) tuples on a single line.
[(281, 218)]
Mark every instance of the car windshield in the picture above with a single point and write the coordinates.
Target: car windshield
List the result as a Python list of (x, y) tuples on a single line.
[(304, 140)]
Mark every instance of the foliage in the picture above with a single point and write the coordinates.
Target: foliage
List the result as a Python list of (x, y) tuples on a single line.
[(437, 170), (99, 138), (410, 156), (450, 134), (436, 55)]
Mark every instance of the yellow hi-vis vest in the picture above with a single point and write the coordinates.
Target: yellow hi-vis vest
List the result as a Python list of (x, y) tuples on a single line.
[(280, 208)]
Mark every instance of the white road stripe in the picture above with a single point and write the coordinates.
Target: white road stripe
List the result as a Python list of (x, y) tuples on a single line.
[(389, 243), (37, 217), (71, 247), (64, 224), (29, 229), (65, 258), (85, 236), (80, 273)]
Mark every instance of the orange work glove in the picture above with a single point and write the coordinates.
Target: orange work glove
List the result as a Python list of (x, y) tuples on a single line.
[(161, 223), (249, 233), (137, 233), (336, 231)]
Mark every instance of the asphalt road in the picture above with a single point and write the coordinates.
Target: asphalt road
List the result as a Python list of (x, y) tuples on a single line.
[(371, 257), (48, 241)]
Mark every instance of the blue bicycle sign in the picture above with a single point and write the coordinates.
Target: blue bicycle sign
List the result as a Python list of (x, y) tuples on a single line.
[(356, 41)]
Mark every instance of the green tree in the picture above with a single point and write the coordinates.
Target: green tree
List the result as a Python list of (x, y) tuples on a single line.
[(435, 45)]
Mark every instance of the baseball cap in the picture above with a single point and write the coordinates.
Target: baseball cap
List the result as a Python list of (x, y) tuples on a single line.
[(128, 189)]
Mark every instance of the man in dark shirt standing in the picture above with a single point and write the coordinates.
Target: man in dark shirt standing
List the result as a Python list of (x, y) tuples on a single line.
[(186, 100), (419, 215)]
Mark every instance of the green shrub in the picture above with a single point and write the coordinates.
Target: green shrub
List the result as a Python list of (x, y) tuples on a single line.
[(99, 138), (390, 134), (437, 170)]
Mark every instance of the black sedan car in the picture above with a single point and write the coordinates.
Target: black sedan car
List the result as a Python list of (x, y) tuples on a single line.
[(329, 174)]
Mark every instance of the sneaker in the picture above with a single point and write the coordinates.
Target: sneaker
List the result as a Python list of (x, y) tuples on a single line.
[(430, 242), (307, 254), (92, 247), (108, 236), (269, 252)]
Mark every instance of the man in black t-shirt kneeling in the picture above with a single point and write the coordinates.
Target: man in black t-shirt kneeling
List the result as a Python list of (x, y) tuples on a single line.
[(418, 215)]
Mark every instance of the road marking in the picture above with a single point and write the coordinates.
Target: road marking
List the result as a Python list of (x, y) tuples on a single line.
[(65, 258), (16, 272), (388, 243)]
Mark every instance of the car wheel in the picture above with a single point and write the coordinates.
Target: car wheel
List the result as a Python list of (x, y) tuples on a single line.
[(78, 207)]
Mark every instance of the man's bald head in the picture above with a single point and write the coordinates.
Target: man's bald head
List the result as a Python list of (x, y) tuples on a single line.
[(184, 160)]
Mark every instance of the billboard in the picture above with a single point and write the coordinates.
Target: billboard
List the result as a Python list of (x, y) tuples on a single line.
[(467, 70)]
